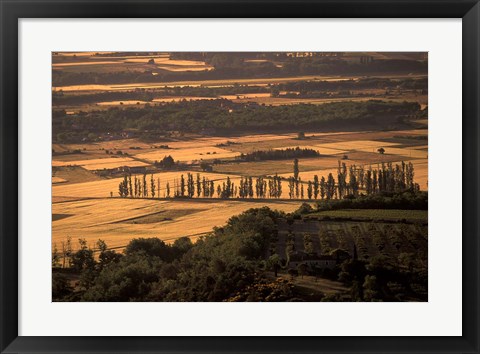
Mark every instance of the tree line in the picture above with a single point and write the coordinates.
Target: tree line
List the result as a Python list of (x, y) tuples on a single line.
[(224, 116), (350, 182), (301, 88), (280, 154)]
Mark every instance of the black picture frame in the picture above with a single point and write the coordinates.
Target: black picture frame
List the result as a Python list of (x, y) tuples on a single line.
[(12, 11)]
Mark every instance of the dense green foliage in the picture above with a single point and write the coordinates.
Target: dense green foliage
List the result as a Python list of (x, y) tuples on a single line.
[(406, 201), (374, 214), (230, 265), (304, 87), (224, 116), (215, 268), (279, 154)]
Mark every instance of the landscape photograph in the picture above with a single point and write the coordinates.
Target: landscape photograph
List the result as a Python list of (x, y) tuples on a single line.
[(239, 176)]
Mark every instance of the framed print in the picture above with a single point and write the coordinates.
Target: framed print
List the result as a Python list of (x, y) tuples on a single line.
[(239, 177)]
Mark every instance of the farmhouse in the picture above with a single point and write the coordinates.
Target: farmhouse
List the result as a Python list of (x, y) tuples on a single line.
[(312, 260)]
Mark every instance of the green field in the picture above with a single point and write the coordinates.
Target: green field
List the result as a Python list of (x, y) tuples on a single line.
[(420, 215)]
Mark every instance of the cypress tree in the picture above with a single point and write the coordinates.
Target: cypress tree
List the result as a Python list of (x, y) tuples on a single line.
[(322, 188), (136, 186), (315, 186), (369, 182), (291, 187), (190, 185), (205, 189), (145, 187), (296, 170), (182, 186), (152, 186), (250, 187), (125, 185), (199, 185), (130, 185), (279, 187)]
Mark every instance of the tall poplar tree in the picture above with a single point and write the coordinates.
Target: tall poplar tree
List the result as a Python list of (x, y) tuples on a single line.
[(296, 169), (315, 186), (152, 186)]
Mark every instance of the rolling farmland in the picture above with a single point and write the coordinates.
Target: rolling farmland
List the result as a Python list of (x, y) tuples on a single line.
[(239, 176), (91, 197)]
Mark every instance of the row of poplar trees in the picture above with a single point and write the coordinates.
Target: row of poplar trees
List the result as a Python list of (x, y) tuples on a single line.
[(349, 182)]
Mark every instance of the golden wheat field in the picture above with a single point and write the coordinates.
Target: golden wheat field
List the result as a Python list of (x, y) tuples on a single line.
[(58, 180), (118, 220), (408, 152), (98, 164), (189, 154), (356, 145)]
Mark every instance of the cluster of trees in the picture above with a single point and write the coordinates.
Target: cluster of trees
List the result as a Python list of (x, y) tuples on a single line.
[(350, 183), (231, 265), (326, 66), (247, 187), (140, 187), (223, 266), (60, 98), (166, 163), (383, 278), (280, 154), (387, 178), (224, 116), (306, 88), (407, 200), (185, 187)]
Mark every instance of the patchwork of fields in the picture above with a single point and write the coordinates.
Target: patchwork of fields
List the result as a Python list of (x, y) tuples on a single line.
[(83, 206), (85, 187), (92, 62)]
